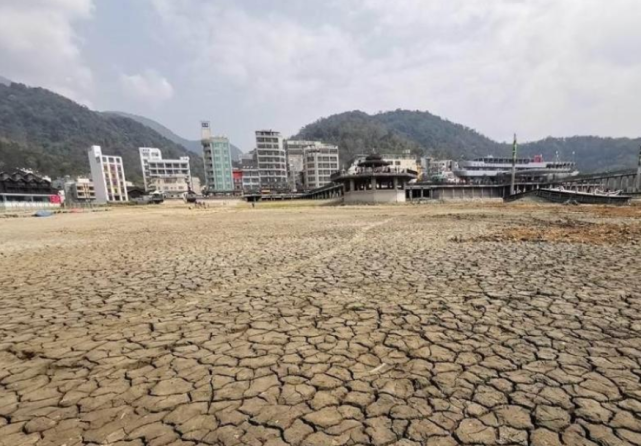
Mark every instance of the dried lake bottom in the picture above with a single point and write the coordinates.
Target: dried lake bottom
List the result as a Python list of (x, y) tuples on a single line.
[(296, 325)]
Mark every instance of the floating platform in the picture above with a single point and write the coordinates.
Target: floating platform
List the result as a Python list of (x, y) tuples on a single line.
[(569, 196)]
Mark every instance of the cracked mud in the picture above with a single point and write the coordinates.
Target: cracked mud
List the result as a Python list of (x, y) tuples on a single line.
[(317, 326)]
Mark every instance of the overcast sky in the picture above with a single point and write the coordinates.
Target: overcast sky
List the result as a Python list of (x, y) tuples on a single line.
[(536, 67)]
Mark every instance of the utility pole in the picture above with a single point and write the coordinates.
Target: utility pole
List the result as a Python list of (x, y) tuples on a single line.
[(514, 147), (639, 173)]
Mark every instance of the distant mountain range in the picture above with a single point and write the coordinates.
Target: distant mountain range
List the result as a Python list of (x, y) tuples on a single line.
[(51, 134), (423, 133), (193, 146)]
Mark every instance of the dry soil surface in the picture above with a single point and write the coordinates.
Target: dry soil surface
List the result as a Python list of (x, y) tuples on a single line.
[(413, 325)]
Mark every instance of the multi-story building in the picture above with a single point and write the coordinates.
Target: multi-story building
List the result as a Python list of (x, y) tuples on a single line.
[(237, 175), (108, 176), (171, 177), (75, 190), (271, 160), (440, 171), (250, 174), (217, 157), (295, 163), (23, 188), (320, 161), (82, 189)]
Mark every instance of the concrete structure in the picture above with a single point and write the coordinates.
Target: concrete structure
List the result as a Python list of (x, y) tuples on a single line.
[(320, 161), (438, 171), (171, 177), (399, 161), (217, 158), (83, 190), (196, 187), (250, 175), (375, 180), (108, 176), (77, 190), (456, 192), (237, 175), (271, 161), (627, 182), (561, 195), (295, 162), (24, 189)]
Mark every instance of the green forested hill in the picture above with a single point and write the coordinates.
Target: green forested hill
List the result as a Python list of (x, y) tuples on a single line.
[(357, 132), (591, 153), (51, 134)]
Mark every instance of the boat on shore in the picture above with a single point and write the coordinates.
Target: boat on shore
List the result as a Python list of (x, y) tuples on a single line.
[(499, 169)]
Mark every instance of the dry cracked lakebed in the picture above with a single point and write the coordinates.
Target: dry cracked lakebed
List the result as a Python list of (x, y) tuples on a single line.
[(318, 326)]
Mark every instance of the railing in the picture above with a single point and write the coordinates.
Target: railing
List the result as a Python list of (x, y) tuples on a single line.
[(370, 170)]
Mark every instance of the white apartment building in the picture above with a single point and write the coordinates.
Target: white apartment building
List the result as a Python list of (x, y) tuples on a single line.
[(250, 180), (108, 176), (172, 177), (271, 160), (320, 161)]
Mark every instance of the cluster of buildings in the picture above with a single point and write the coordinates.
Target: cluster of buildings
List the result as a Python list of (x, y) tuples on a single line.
[(276, 165), (170, 177)]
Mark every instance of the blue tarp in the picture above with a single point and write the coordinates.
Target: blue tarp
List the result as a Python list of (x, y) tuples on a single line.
[(43, 214)]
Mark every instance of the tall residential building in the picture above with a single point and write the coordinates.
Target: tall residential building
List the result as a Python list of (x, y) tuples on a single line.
[(271, 160), (217, 157), (171, 177), (320, 161), (295, 155), (108, 176)]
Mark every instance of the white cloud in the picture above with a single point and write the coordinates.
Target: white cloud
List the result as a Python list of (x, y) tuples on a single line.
[(537, 67), (38, 45), (148, 87)]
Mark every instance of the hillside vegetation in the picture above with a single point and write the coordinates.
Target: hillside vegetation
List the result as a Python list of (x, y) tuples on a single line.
[(51, 134), (423, 133)]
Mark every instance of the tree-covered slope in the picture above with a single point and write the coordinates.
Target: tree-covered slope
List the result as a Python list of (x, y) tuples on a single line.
[(51, 134), (356, 133), (397, 131), (591, 153), (423, 133)]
